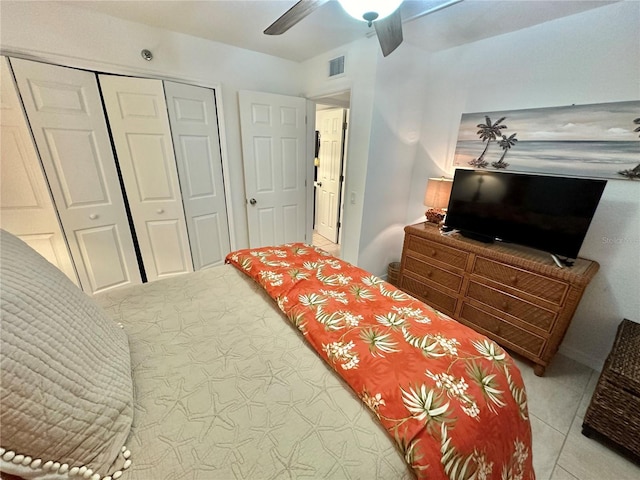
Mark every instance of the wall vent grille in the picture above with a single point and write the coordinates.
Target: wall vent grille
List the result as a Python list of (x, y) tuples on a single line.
[(336, 66)]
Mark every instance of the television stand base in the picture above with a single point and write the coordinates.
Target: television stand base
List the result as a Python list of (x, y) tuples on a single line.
[(477, 237), (557, 261), (561, 263)]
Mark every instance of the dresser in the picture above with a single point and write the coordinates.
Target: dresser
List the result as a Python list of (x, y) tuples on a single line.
[(514, 295)]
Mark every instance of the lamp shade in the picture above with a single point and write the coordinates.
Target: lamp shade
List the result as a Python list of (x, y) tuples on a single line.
[(438, 192), (358, 8)]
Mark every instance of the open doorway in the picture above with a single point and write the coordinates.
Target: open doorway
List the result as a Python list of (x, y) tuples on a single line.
[(332, 115)]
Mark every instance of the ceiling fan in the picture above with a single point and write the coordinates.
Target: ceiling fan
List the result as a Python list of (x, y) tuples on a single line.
[(384, 15)]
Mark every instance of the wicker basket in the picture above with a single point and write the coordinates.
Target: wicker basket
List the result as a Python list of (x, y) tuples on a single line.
[(393, 272), (614, 412)]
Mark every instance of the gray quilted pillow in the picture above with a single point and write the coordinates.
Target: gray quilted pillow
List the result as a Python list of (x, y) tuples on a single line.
[(66, 395)]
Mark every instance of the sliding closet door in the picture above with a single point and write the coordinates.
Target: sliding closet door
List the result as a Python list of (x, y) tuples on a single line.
[(138, 119), (25, 201), (65, 112), (194, 127)]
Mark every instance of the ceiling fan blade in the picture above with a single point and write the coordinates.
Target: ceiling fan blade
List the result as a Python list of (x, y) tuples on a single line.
[(293, 16), (389, 32)]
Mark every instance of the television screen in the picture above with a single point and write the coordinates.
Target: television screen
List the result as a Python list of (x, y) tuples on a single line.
[(547, 213)]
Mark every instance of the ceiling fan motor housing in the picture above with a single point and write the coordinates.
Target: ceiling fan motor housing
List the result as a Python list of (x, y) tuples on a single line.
[(385, 13), (369, 17)]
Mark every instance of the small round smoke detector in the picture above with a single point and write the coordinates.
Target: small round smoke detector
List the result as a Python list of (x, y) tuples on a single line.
[(147, 55)]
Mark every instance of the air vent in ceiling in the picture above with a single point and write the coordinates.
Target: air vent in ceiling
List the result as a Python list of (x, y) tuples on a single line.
[(336, 66)]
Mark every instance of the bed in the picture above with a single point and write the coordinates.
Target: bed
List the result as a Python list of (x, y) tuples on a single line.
[(238, 372)]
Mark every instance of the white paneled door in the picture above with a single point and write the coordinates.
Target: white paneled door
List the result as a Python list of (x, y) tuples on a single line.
[(65, 113), (27, 210), (274, 156), (194, 128), (137, 114), (330, 124)]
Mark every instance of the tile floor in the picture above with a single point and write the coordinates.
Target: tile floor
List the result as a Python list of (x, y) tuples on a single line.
[(557, 404), (325, 244)]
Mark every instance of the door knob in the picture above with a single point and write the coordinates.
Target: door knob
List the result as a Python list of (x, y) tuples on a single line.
[(93, 216), (319, 184), (160, 210), (253, 201)]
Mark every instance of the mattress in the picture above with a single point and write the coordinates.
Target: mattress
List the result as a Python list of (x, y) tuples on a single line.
[(226, 388)]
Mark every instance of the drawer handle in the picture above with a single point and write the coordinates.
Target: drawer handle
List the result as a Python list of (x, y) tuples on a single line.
[(514, 279), (505, 306), (433, 253), (428, 273)]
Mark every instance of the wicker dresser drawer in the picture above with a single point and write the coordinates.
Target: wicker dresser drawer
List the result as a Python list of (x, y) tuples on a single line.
[(531, 283), (450, 256), (433, 273), (506, 333), (428, 294), (527, 312), (515, 295)]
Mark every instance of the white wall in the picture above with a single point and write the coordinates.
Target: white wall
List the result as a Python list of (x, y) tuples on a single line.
[(395, 134), (591, 57), (359, 77), (71, 36), (384, 130)]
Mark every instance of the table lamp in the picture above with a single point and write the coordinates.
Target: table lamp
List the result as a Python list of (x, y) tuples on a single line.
[(436, 198)]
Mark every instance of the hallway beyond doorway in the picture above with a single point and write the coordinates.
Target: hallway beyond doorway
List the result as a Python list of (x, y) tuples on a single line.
[(326, 245)]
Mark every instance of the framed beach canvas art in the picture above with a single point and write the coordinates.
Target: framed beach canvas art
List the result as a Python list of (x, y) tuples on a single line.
[(598, 140)]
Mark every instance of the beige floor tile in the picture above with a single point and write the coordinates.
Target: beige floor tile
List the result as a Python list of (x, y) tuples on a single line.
[(555, 397), (319, 240), (325, 244), (560, 473), (547, 444), (562, 370), (553, 403), (588, 393), (332, 249), (587, 459)]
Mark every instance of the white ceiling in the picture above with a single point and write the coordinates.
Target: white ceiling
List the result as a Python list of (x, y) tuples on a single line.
[(241, 22)]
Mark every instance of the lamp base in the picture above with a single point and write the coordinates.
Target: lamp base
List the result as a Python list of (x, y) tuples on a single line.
[(435, 215)]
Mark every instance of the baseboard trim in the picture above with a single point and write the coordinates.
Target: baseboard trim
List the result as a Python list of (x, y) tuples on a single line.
[(581, 357)]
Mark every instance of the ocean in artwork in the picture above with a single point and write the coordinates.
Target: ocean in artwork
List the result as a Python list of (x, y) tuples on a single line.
[(602, 159), (595, 140)]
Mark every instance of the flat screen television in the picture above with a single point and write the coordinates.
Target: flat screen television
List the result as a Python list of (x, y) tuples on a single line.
[(548, 213)]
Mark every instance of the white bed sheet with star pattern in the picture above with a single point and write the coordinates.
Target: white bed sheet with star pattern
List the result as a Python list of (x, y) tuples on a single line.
[(226, 388)]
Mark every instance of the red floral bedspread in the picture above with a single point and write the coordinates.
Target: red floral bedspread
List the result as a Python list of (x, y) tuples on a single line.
[(452, 399)]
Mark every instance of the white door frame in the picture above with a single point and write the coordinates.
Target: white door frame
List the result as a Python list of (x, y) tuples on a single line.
[(311, 142), (120, 69)]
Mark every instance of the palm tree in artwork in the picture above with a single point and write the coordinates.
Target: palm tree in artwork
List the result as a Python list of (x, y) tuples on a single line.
[(506, 143), (634, 172), (488, 133)]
